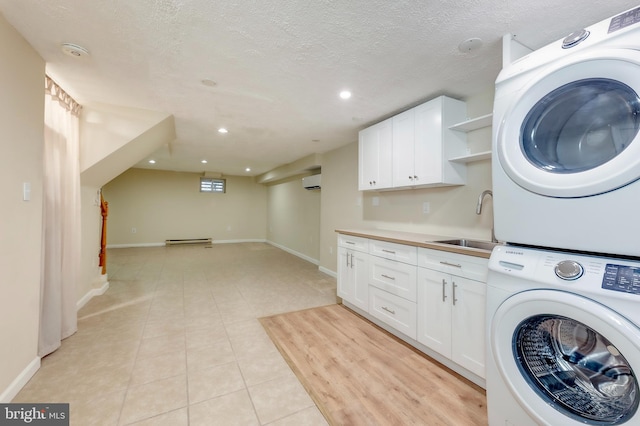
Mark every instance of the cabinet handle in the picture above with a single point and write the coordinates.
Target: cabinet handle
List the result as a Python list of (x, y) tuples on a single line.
[(410, 177), (454, 293), (391, 311), (389, 251), (415, 177), (388, 277), (350, 242), (347, 256), (444, 291), (455, 265), (351, 260)]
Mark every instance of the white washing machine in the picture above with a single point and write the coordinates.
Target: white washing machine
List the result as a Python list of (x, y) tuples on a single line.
[(563, 339), (566, 142)]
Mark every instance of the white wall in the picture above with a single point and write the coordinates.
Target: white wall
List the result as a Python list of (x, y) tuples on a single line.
[(22, 126), (91, 282), (163, 205), (294, 218), (452, 209)]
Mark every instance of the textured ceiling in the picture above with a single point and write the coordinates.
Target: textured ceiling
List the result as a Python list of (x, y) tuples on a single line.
[(278, 66)]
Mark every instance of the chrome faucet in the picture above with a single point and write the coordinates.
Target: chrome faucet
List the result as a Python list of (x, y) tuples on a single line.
[(479, 210)]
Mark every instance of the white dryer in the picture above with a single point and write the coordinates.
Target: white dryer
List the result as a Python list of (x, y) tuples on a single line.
[(566, 141), (563, 339)]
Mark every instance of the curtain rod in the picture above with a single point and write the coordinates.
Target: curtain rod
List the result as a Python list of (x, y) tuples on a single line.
[(56, 92)]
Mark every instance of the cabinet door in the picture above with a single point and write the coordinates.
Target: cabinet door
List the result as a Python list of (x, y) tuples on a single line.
[(360, 265), (468, 325), (403, 148), (434, 310), (352, 283), (428, 143), (374, 156), (346, 284)]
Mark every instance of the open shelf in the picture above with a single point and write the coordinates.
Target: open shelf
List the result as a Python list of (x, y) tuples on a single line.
[(478, 156), (473, 123)]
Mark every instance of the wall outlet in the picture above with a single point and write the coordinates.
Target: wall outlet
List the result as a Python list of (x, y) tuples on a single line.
[(228, 227), (330, 250), (134, 230), (375, 201), (425, 207)]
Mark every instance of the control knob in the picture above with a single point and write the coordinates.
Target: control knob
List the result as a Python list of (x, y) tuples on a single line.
[(569, 270)]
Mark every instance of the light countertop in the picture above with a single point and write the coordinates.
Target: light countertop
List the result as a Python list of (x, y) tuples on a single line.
[(415, 239)]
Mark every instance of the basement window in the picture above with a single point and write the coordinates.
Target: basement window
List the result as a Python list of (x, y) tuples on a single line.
[(213, 185)]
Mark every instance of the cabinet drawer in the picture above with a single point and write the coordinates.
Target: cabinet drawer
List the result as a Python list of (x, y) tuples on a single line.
[(395, 277), (471, 267), (393, 251), (356, 243), (393, 310)]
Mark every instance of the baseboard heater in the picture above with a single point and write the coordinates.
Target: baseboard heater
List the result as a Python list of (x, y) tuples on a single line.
[(189, 241)]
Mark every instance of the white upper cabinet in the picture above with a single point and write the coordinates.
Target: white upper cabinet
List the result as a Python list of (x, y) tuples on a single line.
[(421, 146), (374, 156)]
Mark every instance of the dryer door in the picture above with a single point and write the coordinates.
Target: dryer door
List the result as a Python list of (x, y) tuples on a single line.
[(565, 355), (574, 131)]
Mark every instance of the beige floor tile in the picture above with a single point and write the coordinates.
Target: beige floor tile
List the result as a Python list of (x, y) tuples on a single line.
[(167, 308), (154, 398), (159, 345), (253, 347), (250, 328), (232, 409), (219, 352), (178, 417), (162, 326), (279, 398), (159, 367), (100, 409), (206, 336), (308, 417), (263, 368), (212, 382)]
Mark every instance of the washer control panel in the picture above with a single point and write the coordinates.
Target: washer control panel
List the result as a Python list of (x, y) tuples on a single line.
[(621, 278), (588, 274), (568, 270)]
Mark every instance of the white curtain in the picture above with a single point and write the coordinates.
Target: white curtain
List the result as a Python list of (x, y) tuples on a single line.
[(61, 219)]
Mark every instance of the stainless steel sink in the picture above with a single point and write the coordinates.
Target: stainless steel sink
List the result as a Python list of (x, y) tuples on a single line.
[(484, 245)]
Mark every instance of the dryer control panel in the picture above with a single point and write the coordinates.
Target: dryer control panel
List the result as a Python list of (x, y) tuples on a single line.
[(622, 278)]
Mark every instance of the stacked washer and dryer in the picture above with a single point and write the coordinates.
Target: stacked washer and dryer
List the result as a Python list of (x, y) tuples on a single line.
[(563, 293)]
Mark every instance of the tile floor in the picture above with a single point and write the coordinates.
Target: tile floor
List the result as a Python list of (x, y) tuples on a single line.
[(176, 341)]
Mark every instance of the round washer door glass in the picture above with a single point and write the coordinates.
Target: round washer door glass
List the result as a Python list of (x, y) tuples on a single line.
[(574, 129), (576, 369), (580, 125)]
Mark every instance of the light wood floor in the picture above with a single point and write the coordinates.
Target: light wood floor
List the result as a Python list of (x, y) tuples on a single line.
[(358, 374)]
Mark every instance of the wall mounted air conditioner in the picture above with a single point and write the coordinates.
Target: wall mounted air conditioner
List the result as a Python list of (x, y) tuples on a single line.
[(311, 182)]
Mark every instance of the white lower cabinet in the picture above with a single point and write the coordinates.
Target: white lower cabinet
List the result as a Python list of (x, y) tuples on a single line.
[(451, 315), (353, 270), (435, 300)]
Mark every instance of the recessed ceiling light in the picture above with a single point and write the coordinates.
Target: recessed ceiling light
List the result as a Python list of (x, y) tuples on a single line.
[(203, 161), (248, 169), (223, 130), (152, 161), (74, 50), (315, 140), (208, 82), (345, 94)]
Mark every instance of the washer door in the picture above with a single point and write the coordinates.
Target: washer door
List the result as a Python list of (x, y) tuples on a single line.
[(560, 353), (573, 132)]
